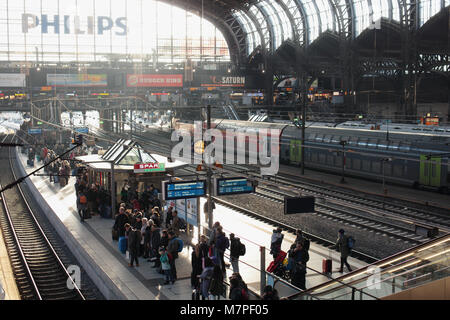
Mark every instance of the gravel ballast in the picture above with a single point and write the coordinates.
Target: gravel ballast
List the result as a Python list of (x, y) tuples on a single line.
[(372, 243)]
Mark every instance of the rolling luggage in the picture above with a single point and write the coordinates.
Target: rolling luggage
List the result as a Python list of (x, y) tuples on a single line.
[(123, 244), (326, 265)]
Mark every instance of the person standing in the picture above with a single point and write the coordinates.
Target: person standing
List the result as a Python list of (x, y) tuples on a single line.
[(298, 271), (222, 243), (134, 240), (275, 244), (235, 252), (342, 246), (196, 263), (173, 248), (121, 220), (165, 265)]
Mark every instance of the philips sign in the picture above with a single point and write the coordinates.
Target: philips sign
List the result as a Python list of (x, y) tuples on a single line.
[(73, 25)]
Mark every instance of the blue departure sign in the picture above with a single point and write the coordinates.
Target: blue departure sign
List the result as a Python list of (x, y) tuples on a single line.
[(237, 185), (82, 130), (35, 131), (183, 189)]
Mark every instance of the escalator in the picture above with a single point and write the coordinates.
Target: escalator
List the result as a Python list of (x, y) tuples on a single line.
[(407, 270)]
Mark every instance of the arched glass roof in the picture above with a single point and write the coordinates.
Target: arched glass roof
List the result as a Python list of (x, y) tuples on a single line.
[(304, 20)]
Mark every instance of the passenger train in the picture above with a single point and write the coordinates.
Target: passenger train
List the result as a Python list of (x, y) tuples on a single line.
[(413, 155)]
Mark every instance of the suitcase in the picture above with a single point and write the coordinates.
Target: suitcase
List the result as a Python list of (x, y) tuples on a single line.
[(123, 244), (326, 265)]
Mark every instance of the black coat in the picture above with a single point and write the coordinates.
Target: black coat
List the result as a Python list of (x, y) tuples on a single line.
[(119, 224), (155, 241), (234, 247), (134, 241)]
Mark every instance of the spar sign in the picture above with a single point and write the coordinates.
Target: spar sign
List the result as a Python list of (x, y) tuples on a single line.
[(149, 167), (154, 80)]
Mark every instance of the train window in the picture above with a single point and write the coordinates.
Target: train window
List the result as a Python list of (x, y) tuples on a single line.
[(356, 164), (362, 143), (327, 138), (330, 160), (398, 170), (312, 136), (417, 129), (433, 169), (427, 129), (366, 165), (319, 138), (439, 130), (376, 166), (447, 130), (322, 158)]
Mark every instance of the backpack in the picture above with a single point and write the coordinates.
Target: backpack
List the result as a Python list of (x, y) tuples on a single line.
[(241, 249), (83, 199), (306, 244), (350, 242), (180, 245)]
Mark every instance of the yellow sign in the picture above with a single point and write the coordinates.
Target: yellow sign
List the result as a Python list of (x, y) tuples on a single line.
[(199, 147)]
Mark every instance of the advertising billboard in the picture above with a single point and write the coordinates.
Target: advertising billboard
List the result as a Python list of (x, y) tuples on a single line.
[(77, 80), (223, 81), (12, 80), (154, 80)]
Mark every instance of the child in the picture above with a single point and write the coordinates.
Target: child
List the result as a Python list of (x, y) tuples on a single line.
[(165, 265)]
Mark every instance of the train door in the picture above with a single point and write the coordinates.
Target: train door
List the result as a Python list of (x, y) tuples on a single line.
[(295, 151), (430, 171)]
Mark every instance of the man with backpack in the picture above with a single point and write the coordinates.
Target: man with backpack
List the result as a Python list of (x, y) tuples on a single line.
[(237, 249), (342, 244), (174, 247)]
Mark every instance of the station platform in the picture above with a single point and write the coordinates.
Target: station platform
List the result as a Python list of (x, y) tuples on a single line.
[(421, 197), (93, 247), (7, 280)]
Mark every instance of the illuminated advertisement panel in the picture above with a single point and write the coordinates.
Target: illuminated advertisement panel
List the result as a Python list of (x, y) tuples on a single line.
[(12, 80), (154, 80), (77, 80)]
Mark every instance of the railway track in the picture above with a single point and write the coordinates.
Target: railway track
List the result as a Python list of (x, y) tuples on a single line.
[(349, 215), (344, 206), (394, 211), (39, 271)]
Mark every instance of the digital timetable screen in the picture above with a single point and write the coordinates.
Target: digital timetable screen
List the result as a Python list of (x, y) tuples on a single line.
[(184, 189), (226, 186)]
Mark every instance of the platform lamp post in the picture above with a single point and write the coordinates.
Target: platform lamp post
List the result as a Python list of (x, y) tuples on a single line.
[(343, 143), (209, 172)]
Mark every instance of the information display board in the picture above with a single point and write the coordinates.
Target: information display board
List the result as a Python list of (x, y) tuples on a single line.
[(236, 185), (35, 131), (183, 189)]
